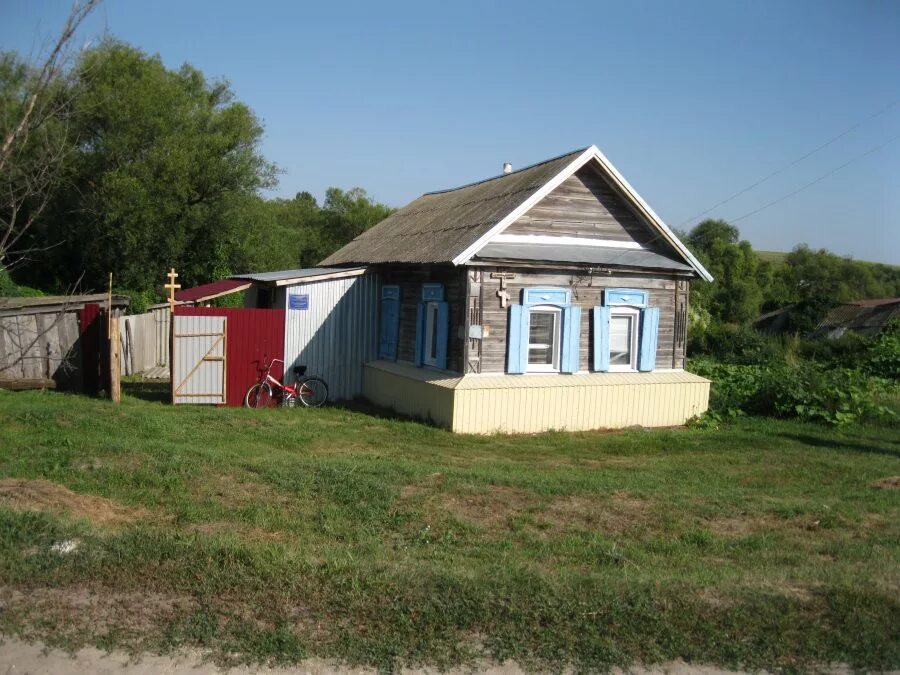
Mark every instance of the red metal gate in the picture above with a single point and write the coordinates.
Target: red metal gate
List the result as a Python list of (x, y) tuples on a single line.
[(254, 336)]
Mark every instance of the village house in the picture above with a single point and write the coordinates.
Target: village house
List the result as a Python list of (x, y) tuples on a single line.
[(551, 297)]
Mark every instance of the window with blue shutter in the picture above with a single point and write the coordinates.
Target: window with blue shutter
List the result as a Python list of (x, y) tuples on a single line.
[(544, 333), (649, 338), (389, 327), (626, 332), (443, 331), (571, 334), (420, 333), (601, 339), (432, 327), (517, 340)]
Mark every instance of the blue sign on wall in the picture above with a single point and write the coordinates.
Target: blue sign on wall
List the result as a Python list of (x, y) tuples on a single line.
[(298, 301)]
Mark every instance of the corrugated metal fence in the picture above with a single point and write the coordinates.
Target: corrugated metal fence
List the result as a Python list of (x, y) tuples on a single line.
[(331, 327)]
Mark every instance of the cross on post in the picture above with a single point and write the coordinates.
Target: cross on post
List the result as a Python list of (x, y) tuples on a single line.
[(172, 287), (503, 294)]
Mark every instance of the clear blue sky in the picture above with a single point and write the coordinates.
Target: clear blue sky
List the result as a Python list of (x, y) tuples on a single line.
[(692, 101)]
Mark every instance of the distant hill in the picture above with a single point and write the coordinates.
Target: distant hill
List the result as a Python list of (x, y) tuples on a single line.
[(777, 258)]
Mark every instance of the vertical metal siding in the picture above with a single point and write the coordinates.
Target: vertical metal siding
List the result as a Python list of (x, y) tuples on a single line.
[(535, 403), (336, 335)]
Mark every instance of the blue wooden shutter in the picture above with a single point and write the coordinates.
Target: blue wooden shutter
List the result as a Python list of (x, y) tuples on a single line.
[(389, 330), (517, 342), (649, 338), (420, 333), (571, 335), (443, 333), (601, 339)]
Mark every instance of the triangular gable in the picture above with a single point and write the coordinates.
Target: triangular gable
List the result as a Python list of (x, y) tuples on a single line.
[(621, 231)]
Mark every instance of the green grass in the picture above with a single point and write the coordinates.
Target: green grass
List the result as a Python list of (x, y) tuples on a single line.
[(277, 535)]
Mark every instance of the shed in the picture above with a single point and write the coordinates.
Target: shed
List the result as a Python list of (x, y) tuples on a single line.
[(326, 319)]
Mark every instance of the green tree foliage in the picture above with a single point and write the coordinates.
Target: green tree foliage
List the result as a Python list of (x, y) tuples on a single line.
[(736, 295), (164, 169), (163, 160)]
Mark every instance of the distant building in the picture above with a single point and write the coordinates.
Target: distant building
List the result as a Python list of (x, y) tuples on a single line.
[(865, 317)]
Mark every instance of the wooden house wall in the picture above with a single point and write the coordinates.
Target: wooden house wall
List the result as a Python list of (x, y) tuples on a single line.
[(410, 280), (666, 292), (584, 205)]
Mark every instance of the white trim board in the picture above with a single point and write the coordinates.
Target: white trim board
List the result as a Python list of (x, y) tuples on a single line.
[(295, 281), (592, 153), (553, 240)]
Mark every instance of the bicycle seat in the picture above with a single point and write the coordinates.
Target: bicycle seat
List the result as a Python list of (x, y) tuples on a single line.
[(299, 371)]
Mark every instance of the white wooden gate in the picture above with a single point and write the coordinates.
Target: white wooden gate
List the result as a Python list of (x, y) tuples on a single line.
[(199, 360)]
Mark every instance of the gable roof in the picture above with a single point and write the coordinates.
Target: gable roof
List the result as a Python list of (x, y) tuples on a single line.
[(452, 226)]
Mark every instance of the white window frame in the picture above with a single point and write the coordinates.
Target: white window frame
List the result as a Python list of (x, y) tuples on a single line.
[(556, 347), (431, 319), (635, 315)]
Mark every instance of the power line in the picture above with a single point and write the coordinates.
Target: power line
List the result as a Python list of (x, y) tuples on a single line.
[(792, 164), (817, 180)]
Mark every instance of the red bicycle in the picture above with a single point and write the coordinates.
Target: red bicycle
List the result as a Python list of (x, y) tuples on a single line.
[(268, 392)]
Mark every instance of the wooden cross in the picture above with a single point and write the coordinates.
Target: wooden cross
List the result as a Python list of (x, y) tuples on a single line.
[(172, 287), (503, 294)]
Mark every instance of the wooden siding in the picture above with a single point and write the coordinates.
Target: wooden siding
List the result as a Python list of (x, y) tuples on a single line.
[(486, 404), (410, 280), (587, 292), (584, 205)]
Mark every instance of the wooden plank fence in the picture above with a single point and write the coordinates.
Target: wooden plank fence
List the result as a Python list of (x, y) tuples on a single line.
[(144, 343)]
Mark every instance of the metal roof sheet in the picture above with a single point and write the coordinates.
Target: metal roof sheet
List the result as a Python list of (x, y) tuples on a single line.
[(592, 255), (211, 290), (284, 276)]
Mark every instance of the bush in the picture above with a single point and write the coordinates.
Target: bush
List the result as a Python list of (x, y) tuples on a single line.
[(735, 344), (883, 356), (805, 391)]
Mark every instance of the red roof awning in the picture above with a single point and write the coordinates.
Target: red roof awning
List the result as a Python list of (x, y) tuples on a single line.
[(212, 290)]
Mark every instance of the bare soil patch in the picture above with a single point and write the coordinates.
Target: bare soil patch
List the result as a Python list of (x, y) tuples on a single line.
[(889, 483), (97, 611), (612, 514), (41, 495), (491, 508)]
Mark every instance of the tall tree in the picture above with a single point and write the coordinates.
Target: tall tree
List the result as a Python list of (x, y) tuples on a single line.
[(164, 159), (736, 295), (34, 139)]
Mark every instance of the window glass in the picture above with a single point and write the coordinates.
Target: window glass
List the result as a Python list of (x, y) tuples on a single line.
[(621, 328), (542, 338), (432, 318)]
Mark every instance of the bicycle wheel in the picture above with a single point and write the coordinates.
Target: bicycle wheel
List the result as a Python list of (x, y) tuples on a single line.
[(313, 392), (259, 396)]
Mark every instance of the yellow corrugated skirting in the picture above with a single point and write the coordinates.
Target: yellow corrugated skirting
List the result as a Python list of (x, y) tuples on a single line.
[(485, 404)]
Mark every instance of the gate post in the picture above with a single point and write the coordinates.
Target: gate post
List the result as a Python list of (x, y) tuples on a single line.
[(171, 286)]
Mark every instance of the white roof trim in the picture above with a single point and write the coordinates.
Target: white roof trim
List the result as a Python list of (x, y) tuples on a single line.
[(561, 240), (341, 274), (594, 153)]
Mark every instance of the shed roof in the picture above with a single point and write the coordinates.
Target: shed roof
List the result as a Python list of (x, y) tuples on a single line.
[(452, 226), (211, 290), (58, 301), (287, 277), (866, 317)]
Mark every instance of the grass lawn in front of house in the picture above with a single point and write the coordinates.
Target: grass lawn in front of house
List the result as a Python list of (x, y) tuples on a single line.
[(281, 534)]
